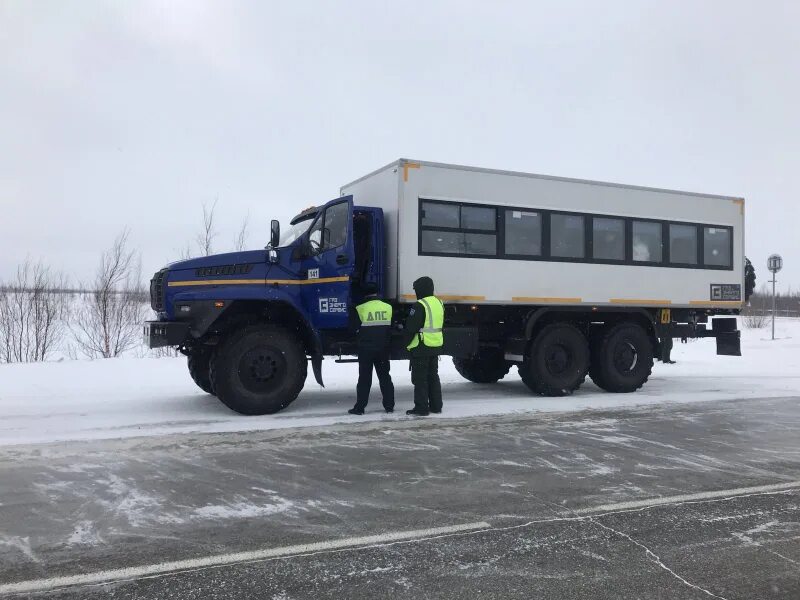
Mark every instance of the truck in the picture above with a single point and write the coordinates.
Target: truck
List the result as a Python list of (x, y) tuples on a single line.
[(562, 278)]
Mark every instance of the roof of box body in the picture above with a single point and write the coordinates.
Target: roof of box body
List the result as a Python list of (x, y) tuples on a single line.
[(400, 162)]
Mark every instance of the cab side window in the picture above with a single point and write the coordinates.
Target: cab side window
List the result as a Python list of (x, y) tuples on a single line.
[(336, 224)]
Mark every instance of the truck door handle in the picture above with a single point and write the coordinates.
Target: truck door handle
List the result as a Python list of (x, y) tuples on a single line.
[(342, 259)]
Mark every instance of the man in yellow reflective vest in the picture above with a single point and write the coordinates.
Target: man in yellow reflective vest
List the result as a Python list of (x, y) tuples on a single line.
[(374, 319), (424, 340)]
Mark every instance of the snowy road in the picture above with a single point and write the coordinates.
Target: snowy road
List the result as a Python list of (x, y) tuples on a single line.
[(80, 400), (544, 500), (120, 479)]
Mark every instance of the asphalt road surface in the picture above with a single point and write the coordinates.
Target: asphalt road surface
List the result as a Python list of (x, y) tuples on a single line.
[(679, 501)]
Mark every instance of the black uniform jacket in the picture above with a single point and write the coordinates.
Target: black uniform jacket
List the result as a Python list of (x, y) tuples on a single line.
[(370, 340)]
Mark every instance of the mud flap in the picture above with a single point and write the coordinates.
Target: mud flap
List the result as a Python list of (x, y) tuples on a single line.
[(729, 344), (729, 341), (316, 366)]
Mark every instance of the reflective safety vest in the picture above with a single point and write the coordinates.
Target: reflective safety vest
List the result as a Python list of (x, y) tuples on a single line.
[(374, 313), (431, 332)]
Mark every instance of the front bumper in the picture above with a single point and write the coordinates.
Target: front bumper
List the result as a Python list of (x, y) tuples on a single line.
[(158, 334)]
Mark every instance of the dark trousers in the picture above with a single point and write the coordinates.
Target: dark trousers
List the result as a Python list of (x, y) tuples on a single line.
[(666, 348), (366, 362), (427, 387)]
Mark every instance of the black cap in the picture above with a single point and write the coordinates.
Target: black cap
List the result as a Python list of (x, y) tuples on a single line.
[(370, 289), (423, 287)]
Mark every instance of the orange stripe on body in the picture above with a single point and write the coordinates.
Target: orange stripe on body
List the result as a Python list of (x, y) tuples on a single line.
[(406, 167), (545, 300), (200, 282), (640, 301), (448, 297)]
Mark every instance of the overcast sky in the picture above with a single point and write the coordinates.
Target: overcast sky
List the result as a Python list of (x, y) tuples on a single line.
[(133, 114)]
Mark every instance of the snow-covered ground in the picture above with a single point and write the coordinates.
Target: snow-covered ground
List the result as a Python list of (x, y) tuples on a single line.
[(127, 397)]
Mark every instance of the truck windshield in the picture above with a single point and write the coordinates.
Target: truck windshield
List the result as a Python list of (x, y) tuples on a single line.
[(295, 231)]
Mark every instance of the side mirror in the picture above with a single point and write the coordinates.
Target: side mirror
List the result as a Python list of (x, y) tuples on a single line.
[(274, 233)]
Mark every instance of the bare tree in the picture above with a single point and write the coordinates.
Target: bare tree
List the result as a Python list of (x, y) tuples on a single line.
[(109, 323), (205, 238), (240, 242), (753, 318), (33, 308), (186, 252)]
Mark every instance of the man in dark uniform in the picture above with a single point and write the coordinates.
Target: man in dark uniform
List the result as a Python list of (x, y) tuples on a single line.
[(666, 349), (374, 318), (666, 336), (424, 340)]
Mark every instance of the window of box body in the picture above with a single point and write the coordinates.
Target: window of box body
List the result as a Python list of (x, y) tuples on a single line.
[(472, 230)]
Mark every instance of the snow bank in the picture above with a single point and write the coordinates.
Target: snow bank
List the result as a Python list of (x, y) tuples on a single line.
[(115, 398)]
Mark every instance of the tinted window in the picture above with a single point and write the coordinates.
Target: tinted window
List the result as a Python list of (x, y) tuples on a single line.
[(717, 246), (566, 236), (480, 243), (608, 238), (523, 233), (476, 217), (683, 244), (435, 214), (458, 242), (336, 223), (458, 229), (647, 243), (442, 242)]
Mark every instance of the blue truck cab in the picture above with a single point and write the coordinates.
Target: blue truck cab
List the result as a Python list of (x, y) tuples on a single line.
[(250, 322)]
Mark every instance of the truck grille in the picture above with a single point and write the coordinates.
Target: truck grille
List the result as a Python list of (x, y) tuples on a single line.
[(157, 290)]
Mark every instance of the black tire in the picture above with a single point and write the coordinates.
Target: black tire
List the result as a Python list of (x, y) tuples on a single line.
[(488, 366), (259, 370), (199, 369), (622, 359), (557, 361)]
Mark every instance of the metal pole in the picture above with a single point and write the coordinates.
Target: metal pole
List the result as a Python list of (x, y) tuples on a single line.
[(774, 277)]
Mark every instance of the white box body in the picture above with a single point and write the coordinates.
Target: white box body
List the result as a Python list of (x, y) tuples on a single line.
[(399, 187)]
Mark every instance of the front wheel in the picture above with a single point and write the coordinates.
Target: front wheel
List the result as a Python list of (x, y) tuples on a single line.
[(557, 361), (622, 358), (199, 370), (259, 370)]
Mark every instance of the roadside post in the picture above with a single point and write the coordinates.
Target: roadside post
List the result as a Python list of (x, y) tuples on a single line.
[(774, 264)]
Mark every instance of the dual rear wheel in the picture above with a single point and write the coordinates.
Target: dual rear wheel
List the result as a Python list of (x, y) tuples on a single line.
[(488, 366), (557, 361), (622, 358), (618, 358)]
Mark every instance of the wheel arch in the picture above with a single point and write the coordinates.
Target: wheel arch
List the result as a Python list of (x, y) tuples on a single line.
[(240, 313), (586, 318)]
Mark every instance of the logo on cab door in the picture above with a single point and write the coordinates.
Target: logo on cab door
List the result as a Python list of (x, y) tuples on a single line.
[(332, 305)]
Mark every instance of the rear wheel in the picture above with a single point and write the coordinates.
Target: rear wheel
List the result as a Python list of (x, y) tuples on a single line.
[(488, 366), (199, 369), (622, 358), (557, 361), (259, 370)]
